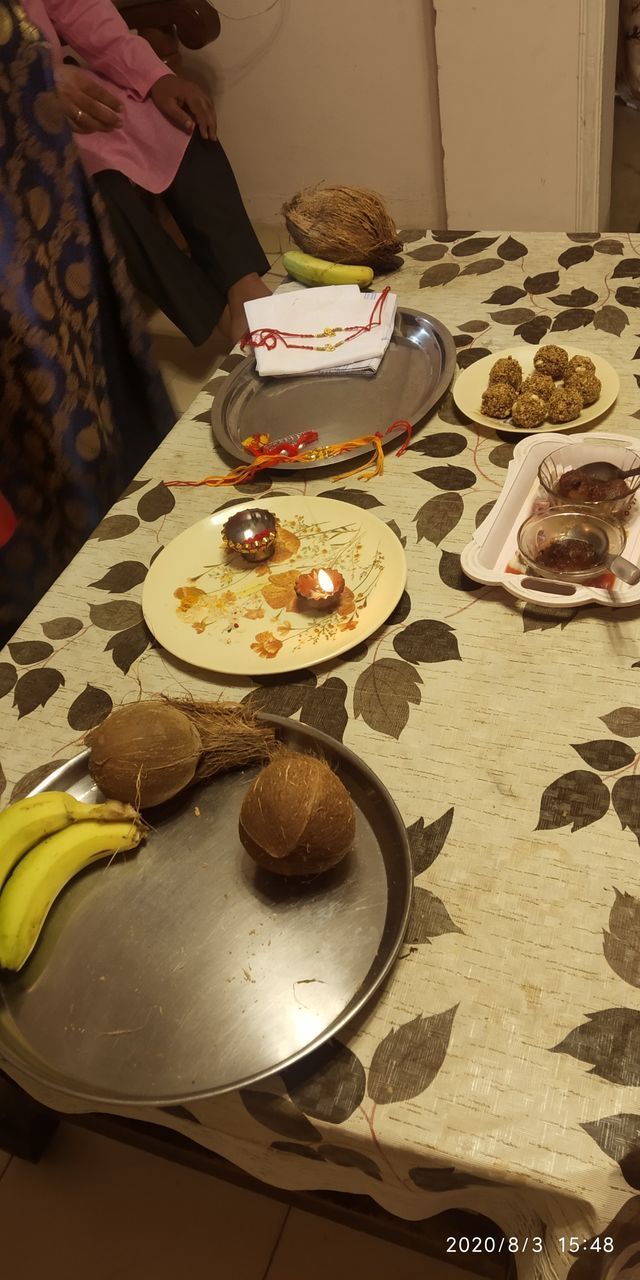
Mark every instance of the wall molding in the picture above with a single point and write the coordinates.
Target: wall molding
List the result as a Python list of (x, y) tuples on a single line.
[(597, 45)]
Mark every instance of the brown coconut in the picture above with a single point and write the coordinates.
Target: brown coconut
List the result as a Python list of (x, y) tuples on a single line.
[(297, 818), (144, 753), (343, 224)]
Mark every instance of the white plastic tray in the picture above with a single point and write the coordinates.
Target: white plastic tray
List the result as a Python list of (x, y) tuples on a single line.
[(494, 545)]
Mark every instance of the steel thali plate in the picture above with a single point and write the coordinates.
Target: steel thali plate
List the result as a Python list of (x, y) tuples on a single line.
[(184, 971), (415, 372)]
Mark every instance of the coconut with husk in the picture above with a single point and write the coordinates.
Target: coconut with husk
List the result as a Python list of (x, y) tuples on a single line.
[(297, 818), (147, 752), (351, 225)]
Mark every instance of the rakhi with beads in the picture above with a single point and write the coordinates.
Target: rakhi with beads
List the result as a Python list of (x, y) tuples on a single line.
[(270, 338), (374, 466)]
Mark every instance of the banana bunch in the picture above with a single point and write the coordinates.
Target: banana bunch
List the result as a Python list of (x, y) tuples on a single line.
[(309, 270), (45, 840)]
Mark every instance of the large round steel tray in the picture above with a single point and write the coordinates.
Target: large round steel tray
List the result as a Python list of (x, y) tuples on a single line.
[(184, 971), (414, 374)]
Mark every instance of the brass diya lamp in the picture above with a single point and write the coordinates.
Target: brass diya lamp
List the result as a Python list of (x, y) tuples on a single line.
[(319, 588), (252, 533)]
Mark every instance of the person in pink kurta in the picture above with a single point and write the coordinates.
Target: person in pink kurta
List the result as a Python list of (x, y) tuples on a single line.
[(140, 128)]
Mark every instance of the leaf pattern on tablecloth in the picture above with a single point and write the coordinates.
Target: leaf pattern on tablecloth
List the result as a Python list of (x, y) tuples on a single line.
[(8, 677), (122, 576), (625, 795), (471, 356), (511, 250), (571, 257), (35, 688), (324, 708), (61, 628), (33, 778), (3, 782), (610, 1042), (26, 652), (357, 497), (282, 696), (502, 454), (382, 695), (428, 918), (115, 615), (127, 646), (115, 527), (440, 274), (395, 528), (482, 267), (438, 516), (348, 1158), (428, 253), (426, 843), (477, 244), (628, 295), (484, 511), (156, 502), (619, 1137), (278, 1113), (513, 315), (609, 246), (574, 318), (450, 572), (401, 611), (329, 1084), (625, 721), (535, 617), (611, 320), (544, 282), (409, 1058), (628, 268), (90, 708), (444, 444), (427, 640), (534, 330), (448, 411), (448, 477), (580, 297), (621, 943), (505, 296), (605, 755), (576, 799)]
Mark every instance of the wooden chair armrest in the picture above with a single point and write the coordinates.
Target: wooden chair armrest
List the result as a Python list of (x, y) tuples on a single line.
[(196, 23)]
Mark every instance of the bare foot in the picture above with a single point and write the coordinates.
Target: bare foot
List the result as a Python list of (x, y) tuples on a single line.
[(244, 290)]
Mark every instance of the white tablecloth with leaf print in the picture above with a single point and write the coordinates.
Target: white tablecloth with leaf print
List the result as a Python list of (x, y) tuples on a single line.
[(499, 1071)]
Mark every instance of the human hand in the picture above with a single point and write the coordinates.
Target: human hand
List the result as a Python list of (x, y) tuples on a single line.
[(88, 106), (184, 102)]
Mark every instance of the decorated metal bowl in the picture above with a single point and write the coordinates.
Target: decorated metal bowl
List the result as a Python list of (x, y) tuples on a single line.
[(251, 532)]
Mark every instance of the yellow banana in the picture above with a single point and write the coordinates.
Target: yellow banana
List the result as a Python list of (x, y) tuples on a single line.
[(30, 892), (310, 270), (28, 821)]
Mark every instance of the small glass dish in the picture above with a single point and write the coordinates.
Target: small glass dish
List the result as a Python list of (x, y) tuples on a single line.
[(607, 537), (573, 456)]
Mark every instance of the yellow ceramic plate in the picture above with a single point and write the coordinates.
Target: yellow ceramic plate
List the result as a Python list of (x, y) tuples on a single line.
[(470, 384), (215, 611)]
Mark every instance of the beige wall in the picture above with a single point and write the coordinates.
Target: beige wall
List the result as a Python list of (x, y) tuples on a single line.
[(526, 103), (342, 91)]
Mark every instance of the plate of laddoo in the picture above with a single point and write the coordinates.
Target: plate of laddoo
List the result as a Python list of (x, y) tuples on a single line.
[(528, 389)]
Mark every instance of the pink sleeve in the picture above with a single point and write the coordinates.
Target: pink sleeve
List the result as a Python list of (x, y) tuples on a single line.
[(96, 31)]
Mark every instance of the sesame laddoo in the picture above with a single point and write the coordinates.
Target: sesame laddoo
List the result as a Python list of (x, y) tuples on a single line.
[(529, 410), (507, 370), (552, 360), (586, 384), (565, 405), (498, 399), (579, 362), (541, 384)]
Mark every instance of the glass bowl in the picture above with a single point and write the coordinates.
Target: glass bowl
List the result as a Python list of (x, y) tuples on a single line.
[(573, 456), (562, 524)]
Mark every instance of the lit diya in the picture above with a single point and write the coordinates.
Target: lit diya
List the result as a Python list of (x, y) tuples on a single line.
[(252, 533), (319, 589)]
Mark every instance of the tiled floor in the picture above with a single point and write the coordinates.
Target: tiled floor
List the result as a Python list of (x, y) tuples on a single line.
[(96, 1208), (185, 369)]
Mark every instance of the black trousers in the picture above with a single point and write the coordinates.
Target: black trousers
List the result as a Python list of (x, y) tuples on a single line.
[(207, 206)]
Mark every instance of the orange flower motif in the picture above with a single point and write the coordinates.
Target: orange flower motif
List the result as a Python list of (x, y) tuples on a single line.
[(349, 626), (223, 601), (284, 628), (254, 613), (266, 645), (188, 596), (199, 627)]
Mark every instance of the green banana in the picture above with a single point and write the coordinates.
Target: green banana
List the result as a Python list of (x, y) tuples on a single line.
[(28, 821), (30, 892), (310, 270)]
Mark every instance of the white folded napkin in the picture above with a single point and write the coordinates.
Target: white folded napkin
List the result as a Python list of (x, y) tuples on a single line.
[(309, 312)]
